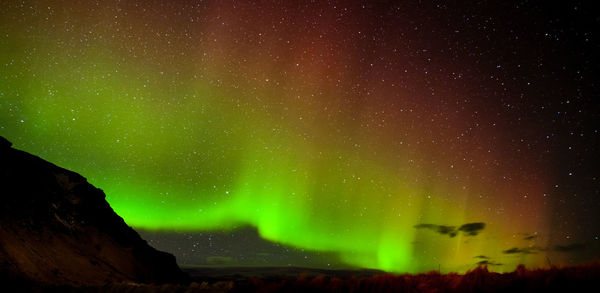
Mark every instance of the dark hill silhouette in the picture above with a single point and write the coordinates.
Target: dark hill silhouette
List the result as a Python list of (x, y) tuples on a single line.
[(57, 229), (58, 234)]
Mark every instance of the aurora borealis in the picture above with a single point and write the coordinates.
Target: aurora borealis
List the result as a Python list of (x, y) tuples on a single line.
[(372, 132)]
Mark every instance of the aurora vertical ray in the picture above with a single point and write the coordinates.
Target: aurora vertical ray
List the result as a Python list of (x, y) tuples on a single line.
[(329, 127)]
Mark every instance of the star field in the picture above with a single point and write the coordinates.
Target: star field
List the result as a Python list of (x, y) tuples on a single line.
[(399, 135)]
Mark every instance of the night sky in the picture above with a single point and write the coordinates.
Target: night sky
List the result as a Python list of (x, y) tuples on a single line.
[(403, 135)]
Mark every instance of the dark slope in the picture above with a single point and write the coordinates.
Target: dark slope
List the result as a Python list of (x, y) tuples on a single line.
[(57, 229)]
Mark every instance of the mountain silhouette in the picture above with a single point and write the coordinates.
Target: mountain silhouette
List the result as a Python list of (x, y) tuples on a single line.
[(57, 229)]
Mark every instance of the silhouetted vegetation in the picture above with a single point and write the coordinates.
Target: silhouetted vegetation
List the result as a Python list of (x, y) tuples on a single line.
[(572, 279)]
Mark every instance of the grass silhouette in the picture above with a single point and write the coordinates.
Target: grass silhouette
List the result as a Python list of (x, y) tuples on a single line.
[(582, 278)]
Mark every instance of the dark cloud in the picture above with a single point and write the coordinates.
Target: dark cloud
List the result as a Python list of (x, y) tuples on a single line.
[(239, 247), (488, 263), (530, 237), (516, 250), (450, 230), (524, 250), (569, 247), (444, 230), (470, 229), (482, 257), (535, 249)]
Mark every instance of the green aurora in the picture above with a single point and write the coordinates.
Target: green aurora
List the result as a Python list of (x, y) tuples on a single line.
[(192, 119)]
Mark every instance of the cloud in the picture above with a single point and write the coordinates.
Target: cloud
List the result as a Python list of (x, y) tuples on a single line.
[(488, 263), (516, 250), (535, 249), (470, 229), (444, 230), (482, 257), (569, 247), (524, 250), (530, 237)]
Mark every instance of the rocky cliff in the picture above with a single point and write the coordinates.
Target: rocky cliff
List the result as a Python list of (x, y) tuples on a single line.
[(57, 229)]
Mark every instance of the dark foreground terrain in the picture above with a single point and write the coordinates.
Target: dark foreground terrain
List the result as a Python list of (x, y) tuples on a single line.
[(58, 234), (583, 278), (56, 229)]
